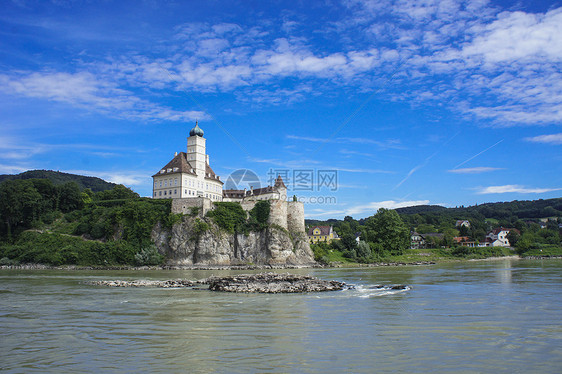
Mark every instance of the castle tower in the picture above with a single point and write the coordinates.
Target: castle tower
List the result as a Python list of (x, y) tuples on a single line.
[(280, 186), (196, 150)]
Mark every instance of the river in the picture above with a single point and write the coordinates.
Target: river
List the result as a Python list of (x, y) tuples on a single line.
[(489, 316)]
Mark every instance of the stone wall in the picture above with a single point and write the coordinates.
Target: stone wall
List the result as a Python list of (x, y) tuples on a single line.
[(184, 205), (278, 213), (286, 214), (295, 216)]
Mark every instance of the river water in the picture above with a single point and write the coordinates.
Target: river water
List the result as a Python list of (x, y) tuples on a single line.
[(491, 316)]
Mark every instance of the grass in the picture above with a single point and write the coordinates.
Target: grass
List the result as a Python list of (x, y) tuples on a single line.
[(544, 250)]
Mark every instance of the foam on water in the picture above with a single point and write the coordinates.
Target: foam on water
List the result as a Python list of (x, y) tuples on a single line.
[(366, 291)]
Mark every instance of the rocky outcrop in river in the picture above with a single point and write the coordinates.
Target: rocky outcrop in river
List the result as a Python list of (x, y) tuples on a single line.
[(256, 283)]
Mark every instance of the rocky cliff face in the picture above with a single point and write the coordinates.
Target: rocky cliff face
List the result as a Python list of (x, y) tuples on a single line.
[(187, 244)]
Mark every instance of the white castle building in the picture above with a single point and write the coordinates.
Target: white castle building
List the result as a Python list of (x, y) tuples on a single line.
[(191, 183), (188, 174)]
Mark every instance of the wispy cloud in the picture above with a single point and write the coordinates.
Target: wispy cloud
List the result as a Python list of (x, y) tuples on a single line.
[(555, 139), (88, 91), (383, 144), (513, 188), (500, 67), (127, 178), (372, 207), (475, 170)]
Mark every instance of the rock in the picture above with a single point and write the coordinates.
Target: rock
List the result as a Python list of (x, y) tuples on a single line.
[(144, 283), (260, 283), (272, 283), (183, 246)]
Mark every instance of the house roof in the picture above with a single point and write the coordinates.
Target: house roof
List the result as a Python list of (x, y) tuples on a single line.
[(459, 239), (324, 230), (500, 229), (179, 164), (255, 192), (279, 182)]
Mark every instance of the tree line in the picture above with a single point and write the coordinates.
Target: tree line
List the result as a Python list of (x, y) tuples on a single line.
[(62, 224)]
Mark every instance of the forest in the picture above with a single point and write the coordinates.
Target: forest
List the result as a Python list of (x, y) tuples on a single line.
[(41, 222), (537, 225)]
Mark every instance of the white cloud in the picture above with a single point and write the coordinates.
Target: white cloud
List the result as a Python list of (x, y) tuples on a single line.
[(512, 188), (475, 170), (517, 35), (126, 178), (376, 205), (546, 139), (85, 90), (12, 169), (436, 51)]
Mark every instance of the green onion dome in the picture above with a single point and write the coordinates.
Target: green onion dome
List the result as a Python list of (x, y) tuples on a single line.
[(196, 131)]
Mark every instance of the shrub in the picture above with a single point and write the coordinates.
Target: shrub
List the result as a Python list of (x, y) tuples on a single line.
[(148, 256), (228, 215)]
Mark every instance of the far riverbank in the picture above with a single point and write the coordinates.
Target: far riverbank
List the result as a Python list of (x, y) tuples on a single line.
[(271, 267)]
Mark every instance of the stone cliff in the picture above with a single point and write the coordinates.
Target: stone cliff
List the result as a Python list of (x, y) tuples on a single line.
[(199, 241)]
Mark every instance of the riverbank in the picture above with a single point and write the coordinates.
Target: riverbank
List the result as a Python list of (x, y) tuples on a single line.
[(335, 264)]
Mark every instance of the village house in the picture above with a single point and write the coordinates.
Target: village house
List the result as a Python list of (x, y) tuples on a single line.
[(462, 223), (498, 237), (322, 234), (416, 241)]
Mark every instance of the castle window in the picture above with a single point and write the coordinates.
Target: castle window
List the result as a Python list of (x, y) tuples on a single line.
[(164, 193), (160, 183), (166, 183), (160, 193), (175, 192)]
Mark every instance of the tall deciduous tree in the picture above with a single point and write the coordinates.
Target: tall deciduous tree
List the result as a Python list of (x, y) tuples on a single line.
[(388, 231)]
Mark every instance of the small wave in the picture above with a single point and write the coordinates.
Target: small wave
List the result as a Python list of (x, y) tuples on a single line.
[(380, 290)]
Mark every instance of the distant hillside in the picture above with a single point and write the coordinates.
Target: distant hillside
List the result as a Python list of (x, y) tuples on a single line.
[(417, 209), (93, 183), (517, 209), (507, 211)]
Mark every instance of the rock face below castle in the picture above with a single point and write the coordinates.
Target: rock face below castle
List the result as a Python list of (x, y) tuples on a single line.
[(183, 245)]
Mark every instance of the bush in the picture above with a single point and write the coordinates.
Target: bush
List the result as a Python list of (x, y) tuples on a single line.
[(228, 216), (148, 256)]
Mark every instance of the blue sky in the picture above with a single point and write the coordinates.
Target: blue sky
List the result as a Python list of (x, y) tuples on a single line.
[(405, 102)]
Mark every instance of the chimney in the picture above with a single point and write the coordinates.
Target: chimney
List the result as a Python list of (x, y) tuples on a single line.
[(207, 159), (175, 154)]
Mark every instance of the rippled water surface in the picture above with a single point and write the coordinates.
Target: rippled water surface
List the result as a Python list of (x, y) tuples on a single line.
[(497, 316)]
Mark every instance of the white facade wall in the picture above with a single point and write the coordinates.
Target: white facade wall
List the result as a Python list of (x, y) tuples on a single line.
[(183, 185)]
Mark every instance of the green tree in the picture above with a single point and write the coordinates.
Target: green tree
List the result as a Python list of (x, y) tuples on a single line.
[(389, 231), (70, 197)]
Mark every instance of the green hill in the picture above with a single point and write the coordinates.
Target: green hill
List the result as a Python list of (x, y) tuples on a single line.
[(93, 183)]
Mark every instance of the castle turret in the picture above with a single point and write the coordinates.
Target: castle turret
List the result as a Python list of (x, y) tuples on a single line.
[(281, 188), (196, 150)]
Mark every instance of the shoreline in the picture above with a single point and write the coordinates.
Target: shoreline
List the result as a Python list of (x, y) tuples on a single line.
[(264, 267)]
